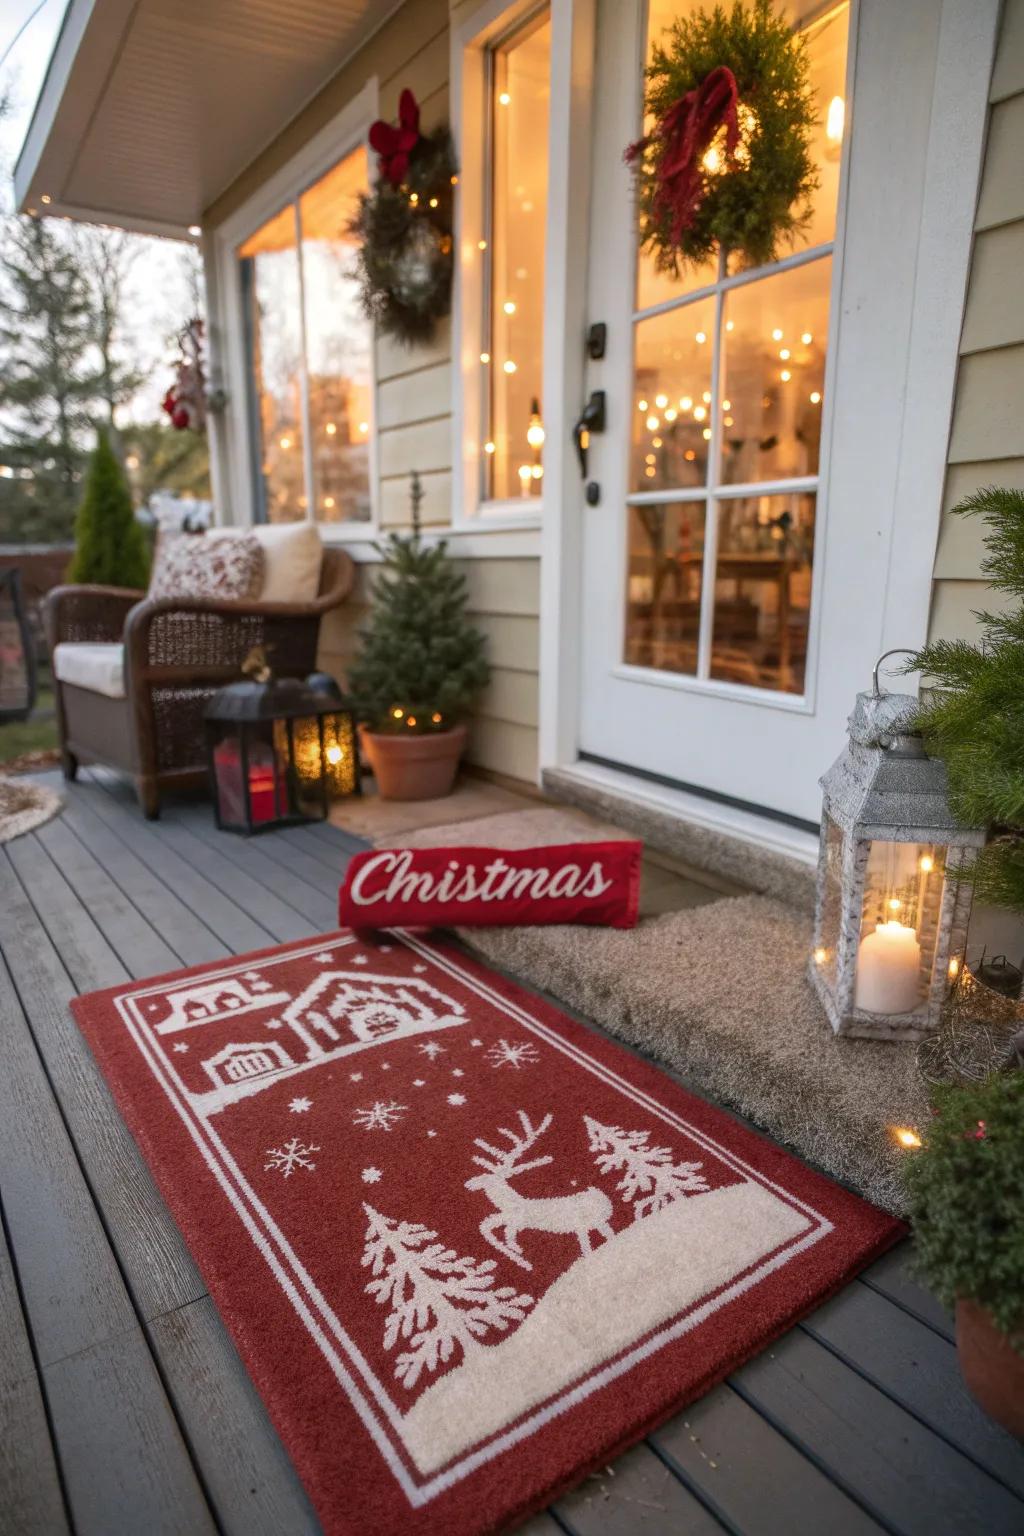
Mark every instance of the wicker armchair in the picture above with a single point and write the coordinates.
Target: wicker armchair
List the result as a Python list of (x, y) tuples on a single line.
[(177, 652)]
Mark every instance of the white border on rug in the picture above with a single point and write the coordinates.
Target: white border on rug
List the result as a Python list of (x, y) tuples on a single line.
[(305, 1296)]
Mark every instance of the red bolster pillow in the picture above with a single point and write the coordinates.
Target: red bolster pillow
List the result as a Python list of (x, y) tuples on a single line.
[(492, 887)]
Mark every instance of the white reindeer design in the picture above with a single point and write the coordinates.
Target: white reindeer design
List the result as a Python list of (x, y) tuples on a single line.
[(587, 1211)]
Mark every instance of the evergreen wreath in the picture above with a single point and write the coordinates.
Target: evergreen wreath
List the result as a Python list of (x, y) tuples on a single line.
[(404, 227), (727, 163)]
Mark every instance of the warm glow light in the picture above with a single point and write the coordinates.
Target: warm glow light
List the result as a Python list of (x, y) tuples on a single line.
[(650, 473), (328, 501), (685, 403), (726, 405), (285, 443), (414, 197), (834, 120), (820, 955), (712, 161), (524, 472), (653, 423), (455, 181), (411, 720), (815, 397), (776, 334), (537, 471), (655, 442), (699, 412), (689, 455), (927, 864), (650, 458), (954, 967), (785, 375), (729, 420), (504, 98), (701, 337), (729, 324), (398, 713), (661, 401), (436, 718), (333, 755), (509, 366), (706, 434), (47, 199), (641, 405), (331, 428), (509, 307), (364, 426), (485, 357), (671, 413), (195, 230), (433, 202), (535, 431), (806, 338), (894, 903), (784, 354), (132, 461), (481, 245), (488, 447), (905, 1136)]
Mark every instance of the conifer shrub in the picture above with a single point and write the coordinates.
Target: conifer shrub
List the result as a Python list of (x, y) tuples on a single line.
[(110, 546)]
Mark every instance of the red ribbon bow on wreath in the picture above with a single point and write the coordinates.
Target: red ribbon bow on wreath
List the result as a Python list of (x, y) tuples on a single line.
[(683, 135), (392, 144)]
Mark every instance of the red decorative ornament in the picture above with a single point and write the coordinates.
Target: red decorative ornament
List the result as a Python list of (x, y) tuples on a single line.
[(394, 145), (185, 400), (683, 136)]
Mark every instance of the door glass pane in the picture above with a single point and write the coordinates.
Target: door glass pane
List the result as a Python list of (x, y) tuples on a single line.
[(763, 591), (338, 346), (672, 398), (269, 265), (773, 374), (665, 560), (520, 89)]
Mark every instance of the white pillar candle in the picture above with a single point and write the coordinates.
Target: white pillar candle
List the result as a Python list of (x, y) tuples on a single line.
[(888, 969)]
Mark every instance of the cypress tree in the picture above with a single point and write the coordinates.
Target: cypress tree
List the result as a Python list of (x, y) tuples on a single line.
[(110, 548), (421, 664), (974, 720)]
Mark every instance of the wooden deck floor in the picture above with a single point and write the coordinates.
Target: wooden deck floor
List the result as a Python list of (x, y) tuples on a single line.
[(123, 1406)]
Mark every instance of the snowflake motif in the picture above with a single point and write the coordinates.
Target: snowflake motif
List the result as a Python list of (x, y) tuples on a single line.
[(300, 1106), (457, 1072), (513, 1053), (324, 957), (476, 1042), (431, 1049), (251, 976), (456, 1098), (371, 1175), (431, 1133), (381, 1117), (181, 1046), (358, 959), (419, 1082), (261, 986), (419, 969), (385, 1066), (355, 1077), (152, 1007), (294, 1154), (273, 1023), (385, 949)]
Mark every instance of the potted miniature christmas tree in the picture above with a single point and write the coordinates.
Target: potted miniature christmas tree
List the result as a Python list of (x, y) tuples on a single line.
[(110, 546), (420, 668)]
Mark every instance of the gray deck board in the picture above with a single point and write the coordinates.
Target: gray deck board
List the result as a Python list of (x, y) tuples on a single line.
[(33, 1504), (854, 1423)]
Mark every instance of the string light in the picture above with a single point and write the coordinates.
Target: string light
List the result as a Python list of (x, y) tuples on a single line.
[(689, 455), (661, 401), (411, 720), (820, 955), (701, 337), (414, 198), (728, 420), (641, 405), (785, 375), (331, 428), (488, 447), (905, 1136), (436, 718), (706, 434), (333, 755), (455, 181), (729, 324), (835, 119), (776, 334), (927, 864), (364, 426), (706, 397), (894, 903), (726, 405), (650, 473), (433, 202), (806, 338), (285, 443), (699, 413), (656, 442), (485, 357), (784, 354), (397, 713), (535, 431), (504, 98), (509, 307), (653, 423), (525, 473), (481, 245), (328, 501), (537, 471), (685, 403), (671, 413), (815, 397), (954, 968), (509, 366)]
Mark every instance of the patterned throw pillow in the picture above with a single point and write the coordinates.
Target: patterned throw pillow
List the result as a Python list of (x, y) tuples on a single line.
[(224, 565)]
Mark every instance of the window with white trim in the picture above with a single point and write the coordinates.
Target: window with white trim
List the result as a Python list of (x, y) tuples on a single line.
[(309, 356), (725, 435), (517, 79)]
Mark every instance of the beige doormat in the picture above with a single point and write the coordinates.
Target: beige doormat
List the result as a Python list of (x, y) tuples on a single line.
[(24, 805), (717, 992)]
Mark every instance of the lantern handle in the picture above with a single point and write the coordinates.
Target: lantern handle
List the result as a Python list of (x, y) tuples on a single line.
[(899, 650)]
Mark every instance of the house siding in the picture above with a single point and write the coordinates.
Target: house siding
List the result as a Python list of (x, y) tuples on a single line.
[(987, 436), (413, 409)]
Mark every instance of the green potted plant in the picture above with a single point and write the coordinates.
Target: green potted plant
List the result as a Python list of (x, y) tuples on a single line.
[(110, 546), (966, 1191), (420, 668)]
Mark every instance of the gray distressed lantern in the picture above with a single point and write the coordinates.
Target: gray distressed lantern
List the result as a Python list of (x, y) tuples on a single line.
[(891, 910)]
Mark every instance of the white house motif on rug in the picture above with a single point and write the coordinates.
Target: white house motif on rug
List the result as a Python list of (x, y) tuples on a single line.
[(338, 1013)]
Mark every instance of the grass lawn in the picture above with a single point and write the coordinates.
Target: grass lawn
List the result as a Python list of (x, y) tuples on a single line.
[(36, 734)]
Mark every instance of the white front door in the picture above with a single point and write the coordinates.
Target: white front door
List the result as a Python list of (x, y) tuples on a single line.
[(735, 565)]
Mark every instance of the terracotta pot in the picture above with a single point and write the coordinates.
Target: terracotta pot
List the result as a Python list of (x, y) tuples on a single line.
[(992, 1368), (414, 767)]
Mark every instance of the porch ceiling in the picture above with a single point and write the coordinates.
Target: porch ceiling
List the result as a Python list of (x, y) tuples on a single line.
[(151, 108)]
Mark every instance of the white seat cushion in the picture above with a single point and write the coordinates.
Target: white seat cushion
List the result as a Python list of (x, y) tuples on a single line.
[(91, 664)]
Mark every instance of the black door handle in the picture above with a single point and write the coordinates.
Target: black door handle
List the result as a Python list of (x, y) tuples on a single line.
[(591, 419)]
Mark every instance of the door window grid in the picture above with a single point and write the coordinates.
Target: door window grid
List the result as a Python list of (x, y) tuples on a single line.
[(716, 490)]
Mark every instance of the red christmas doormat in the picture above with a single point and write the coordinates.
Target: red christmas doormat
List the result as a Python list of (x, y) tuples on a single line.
[(467, 1249)]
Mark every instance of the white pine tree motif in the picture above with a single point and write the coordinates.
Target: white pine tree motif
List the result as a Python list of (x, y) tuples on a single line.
[(647, 1171), (439, 1302)]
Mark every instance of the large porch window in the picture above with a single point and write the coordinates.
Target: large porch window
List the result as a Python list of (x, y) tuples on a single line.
[(726, 433), (310, 356)]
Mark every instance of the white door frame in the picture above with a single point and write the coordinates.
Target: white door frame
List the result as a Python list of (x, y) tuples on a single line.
[(904, 467)]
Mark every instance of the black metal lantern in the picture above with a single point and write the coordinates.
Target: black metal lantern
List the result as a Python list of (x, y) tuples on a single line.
[(17, 651), (278, 751)]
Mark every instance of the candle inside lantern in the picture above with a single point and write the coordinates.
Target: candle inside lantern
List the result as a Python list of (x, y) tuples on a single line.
[(888, 969), (268, 797)]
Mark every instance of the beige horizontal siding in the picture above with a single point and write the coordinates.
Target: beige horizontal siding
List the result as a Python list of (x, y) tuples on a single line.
[(394, 357), (987, 436), (420, 395), (425, 445), (504, 748)]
